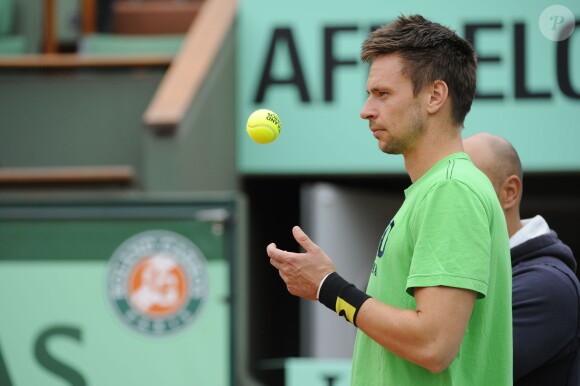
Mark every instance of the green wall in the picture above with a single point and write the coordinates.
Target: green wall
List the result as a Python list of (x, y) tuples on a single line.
[(95, 117), (79, 118), (305, 66)]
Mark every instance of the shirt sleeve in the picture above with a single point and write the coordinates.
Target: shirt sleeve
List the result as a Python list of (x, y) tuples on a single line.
[(452, 240)]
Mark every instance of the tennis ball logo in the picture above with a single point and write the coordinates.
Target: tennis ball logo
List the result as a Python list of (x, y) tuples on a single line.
[(263, 126)]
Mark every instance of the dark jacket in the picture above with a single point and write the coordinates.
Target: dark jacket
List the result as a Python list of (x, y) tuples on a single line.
[(546, 312)]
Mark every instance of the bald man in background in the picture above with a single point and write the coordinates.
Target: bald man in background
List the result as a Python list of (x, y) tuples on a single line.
[(546, 291)]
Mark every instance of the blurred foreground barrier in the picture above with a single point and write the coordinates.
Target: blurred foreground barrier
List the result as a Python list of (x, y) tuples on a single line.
[(126, 291)]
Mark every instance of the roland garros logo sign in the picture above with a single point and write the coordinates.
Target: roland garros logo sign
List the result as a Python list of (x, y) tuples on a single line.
[(157, 282)]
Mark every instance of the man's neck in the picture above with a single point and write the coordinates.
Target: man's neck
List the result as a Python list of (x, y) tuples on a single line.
[(431, 148), (514, 222)]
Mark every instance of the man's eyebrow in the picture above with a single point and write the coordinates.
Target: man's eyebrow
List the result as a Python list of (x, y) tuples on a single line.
[(378, 88)]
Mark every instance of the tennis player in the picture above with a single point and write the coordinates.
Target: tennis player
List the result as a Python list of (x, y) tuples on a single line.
[(437, 310)]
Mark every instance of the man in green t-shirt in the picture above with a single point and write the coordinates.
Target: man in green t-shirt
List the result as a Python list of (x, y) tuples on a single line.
[(437, 310)]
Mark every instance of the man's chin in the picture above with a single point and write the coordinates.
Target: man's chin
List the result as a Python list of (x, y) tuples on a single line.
[(388, 149)]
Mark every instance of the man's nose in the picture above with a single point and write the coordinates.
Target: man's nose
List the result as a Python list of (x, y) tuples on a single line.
[(367, 112)]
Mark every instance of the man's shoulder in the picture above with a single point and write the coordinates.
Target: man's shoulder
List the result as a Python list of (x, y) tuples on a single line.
[(462, 176), (458, 167), (548, 277)]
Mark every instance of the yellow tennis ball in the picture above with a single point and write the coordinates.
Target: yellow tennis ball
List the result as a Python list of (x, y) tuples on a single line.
[(263, 126)]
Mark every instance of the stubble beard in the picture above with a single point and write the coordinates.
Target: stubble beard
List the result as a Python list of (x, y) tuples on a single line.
[(401, 144)]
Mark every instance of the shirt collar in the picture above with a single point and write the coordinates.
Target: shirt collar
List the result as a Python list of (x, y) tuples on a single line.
[(532, 228)]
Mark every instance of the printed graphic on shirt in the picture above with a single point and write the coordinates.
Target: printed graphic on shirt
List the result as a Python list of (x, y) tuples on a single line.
[(383, 245)]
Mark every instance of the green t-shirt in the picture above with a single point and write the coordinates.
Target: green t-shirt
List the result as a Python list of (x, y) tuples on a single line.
[(450, 231)]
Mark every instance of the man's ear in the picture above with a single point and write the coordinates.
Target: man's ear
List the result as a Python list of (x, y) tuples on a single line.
[(438, 96), (510, 192)]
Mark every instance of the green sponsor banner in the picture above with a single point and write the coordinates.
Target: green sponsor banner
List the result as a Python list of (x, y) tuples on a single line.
[(301, 60), (115, 292), (58, 327)]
